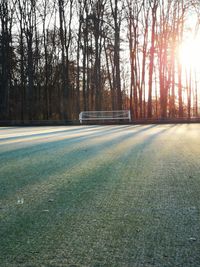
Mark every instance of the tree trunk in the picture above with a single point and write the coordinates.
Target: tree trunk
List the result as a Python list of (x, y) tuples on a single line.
[(151, 63)]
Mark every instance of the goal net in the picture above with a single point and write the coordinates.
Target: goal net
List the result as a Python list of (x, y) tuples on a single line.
[(105, 115)]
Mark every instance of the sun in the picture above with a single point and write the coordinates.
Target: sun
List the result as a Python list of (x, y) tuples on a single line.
[(189, 54)]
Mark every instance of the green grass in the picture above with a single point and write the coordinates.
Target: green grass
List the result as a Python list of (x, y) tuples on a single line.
[(118, 196)]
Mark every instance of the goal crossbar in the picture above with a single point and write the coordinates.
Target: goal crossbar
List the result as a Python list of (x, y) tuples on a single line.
[(105, 115)]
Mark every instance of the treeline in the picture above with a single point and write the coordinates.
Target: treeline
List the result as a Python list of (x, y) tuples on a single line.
[(60, 57)]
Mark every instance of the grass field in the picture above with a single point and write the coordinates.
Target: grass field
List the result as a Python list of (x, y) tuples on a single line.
[(100, 196)]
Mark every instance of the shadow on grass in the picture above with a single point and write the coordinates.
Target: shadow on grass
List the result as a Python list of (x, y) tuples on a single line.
[(54, 133), (32, 165), (22, 146), (49, 145), (47, 231)]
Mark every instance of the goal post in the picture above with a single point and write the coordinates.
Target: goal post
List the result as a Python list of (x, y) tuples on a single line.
[(105, 115)]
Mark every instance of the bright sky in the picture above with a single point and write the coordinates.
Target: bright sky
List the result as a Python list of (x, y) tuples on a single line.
[(189, 52)]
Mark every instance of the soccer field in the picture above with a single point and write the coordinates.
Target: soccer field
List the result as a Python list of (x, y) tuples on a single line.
[(126, 195)]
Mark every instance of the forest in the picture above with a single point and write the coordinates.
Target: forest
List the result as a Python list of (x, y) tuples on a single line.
[(61, 57)]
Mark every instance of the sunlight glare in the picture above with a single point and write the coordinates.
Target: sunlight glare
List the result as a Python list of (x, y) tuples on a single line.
[(189, 54)]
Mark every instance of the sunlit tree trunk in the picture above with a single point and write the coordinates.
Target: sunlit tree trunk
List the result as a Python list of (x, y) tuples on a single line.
[(154, 8)]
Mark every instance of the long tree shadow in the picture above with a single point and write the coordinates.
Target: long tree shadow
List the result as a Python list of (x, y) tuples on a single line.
[(72, 193), (65, 159), (52, 144), (56, 132), (28, 134), (34, 166)]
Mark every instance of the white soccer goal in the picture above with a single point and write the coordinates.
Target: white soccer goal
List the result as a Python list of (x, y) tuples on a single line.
[(105, 115)]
